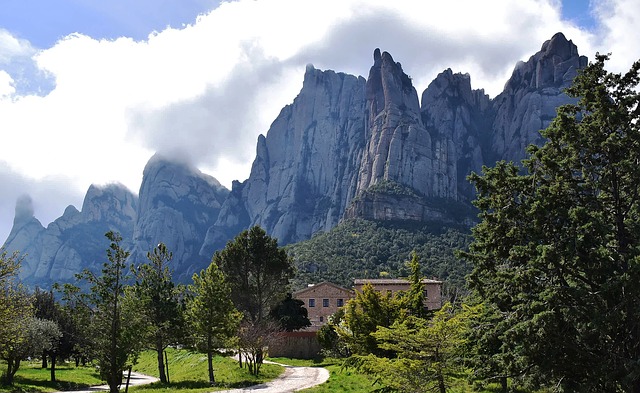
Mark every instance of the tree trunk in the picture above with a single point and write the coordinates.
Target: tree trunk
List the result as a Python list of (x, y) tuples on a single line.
[(504, 385), (212, 379), (441, 386), (53, 367), (259, 360), (8, 377), (44, 359), (114, 380), (636, 386), (159, 350)]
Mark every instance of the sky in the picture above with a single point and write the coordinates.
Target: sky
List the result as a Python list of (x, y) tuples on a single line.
[(91, 89)]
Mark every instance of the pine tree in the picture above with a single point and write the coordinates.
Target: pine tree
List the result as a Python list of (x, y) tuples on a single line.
[(557, 251), (158, 300), (210, 312)]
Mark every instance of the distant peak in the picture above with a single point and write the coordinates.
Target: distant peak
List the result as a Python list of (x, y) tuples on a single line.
[(24, 208), (376, 55), (559, 45)]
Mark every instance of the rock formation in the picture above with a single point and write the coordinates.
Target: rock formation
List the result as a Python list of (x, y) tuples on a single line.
[(306, 168), (177, 205), (531, 96), (74, 241), (346, 147)]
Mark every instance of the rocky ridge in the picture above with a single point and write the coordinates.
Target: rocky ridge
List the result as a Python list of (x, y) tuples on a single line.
[(345, 147), (75, 240)]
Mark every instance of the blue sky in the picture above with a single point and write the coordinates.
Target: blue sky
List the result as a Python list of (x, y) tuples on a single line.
[(43, 22), (200, 79)]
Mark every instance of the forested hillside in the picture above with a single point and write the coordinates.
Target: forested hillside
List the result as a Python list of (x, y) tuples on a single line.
[(367, 249)]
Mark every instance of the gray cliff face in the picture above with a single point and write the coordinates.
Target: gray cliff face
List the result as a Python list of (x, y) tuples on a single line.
[(74, 241), (531, 96), (399, 149), (177, 205), (306, 168), (457, 118)]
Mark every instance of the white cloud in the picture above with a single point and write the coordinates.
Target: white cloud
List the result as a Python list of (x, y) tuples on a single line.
[(6, 85), (207, 90), (11, 47), (618, 35)]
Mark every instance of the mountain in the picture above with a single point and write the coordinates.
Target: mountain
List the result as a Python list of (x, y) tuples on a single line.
[(345, 148), (177, 205), (306, 168), (74, 241)]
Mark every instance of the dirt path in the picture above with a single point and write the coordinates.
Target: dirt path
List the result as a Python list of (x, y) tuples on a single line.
[(293, 379), (136, 379)]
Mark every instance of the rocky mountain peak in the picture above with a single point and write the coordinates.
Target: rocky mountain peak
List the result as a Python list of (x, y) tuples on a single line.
[(345, 147), (388, 86), (23, 211), (110, 203), (555, 65), (531, 96), (177, 205)]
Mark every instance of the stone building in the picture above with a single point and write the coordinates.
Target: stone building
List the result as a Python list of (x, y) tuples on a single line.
[(322, 300), (432, 288)]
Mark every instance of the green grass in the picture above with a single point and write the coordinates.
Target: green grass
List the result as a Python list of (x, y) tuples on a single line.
[(188, 373), (350, 381), (32, 378)]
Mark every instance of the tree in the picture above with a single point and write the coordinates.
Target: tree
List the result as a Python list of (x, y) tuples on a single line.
[(117, 328), (364, 314), (34, 336), (291, 314), (557, 250), (258, 272), (210, 312), (428, 353), (330, 341), (46, 308), (158, 303), (9, 266), (44, 305), (253, 337), (76, 315), (414, 298)]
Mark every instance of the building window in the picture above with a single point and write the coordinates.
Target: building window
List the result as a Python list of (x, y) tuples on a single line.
[(325, 302), (312, 302), (340, 302), (425, 294), (321, 319)]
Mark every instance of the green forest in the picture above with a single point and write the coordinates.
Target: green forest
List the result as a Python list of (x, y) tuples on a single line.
[(359, 248)]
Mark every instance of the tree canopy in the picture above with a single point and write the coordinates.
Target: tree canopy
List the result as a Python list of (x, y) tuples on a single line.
[(210, 312), (258, 272), (158, 300), (557, 251), (117, 330)]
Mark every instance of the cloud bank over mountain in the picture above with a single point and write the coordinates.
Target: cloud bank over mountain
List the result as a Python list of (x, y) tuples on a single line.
[(89, 110)]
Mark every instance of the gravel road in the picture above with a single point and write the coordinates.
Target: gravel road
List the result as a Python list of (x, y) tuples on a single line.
[(292, 380), (136, 379)]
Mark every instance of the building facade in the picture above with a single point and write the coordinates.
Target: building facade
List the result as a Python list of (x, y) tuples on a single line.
[(432, 288), (323, 300)]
